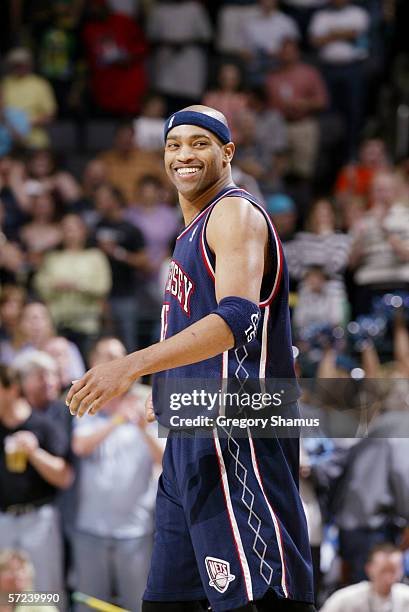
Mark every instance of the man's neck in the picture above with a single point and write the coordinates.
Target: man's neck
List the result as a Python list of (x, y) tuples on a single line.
[(379, 593), (192, 206)]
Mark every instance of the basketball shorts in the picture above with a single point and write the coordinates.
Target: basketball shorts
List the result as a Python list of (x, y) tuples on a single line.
[(229, 522)]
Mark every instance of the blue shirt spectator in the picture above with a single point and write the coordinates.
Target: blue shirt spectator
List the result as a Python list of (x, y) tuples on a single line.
[(14, 127)]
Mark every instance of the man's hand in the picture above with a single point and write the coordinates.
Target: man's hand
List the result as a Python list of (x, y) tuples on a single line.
[(27, 442), (98, 386), (149, 411)]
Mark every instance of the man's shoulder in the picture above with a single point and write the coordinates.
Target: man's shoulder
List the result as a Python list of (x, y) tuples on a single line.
[(346, 596), (402, 592)]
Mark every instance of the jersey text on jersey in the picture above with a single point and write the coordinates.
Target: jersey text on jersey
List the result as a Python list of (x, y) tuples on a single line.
[(180, 286)]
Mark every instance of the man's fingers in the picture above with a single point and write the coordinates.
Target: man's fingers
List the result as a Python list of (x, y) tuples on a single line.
[(79, 396), (97, 405), (150, 415), (87, 403), (75, 387)]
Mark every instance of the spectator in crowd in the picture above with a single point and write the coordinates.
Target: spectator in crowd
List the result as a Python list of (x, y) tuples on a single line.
[(283, 213), (126, 164), (119, 454), (12, 299), (42, 233), (298, 91), (12, 261), (370, 500), (35, 330), (255, 153), (12, 196), (247, 182), (31, 93), (58, 54), (41, 386), (42, 167), (158, 222), (340, 34), (94, 175), (124, 246), (311, 505), (179, 67), (380, 250), (148, 127), (60, 350), (17, 575), (263, 35), (317, 302), (320, 245), (382, 591), (302, 12), (73, 283), (32, 469), (356, 178), (116, 51), (14, 126), (228, 97), (270, 121)]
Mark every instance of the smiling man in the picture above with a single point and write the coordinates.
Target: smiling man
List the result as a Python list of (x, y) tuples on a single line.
[(230, 526)]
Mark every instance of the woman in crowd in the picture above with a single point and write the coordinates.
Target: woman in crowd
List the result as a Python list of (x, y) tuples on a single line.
[(73, 282)]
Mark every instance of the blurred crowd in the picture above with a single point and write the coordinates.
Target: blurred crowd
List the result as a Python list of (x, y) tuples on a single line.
[(315, 92)]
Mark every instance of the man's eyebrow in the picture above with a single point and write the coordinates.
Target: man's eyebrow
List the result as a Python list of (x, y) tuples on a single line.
[(192, 137)]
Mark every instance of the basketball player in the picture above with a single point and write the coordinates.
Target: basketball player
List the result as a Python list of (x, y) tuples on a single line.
[(230, 526)]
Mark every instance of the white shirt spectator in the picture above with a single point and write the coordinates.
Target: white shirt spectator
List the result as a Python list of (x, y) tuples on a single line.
[(266, 33), (180, 71), (117, 484), (348, 18), (361, 598), (327, 306), (149, 133), (379, 262)]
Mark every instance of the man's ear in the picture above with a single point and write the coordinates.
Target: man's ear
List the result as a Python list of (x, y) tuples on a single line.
[(228, 152)]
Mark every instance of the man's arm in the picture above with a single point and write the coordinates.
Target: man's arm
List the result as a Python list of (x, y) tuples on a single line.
[(55, 470), (237, 233)]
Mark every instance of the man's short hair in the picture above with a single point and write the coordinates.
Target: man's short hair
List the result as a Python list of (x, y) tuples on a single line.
[(30, 361), (385, 547)]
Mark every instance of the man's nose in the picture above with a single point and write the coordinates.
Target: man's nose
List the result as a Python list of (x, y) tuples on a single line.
[(185, 153)]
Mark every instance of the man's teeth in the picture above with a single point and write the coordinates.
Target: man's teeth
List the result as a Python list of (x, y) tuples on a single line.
[(183, 171)]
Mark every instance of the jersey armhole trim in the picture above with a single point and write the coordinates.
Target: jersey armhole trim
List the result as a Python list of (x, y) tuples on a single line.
[(279, 252)]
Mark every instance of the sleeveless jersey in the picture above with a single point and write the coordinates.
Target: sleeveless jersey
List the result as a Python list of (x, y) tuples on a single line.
[(190, 296)]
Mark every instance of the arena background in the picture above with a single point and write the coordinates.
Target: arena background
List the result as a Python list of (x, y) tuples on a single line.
[(317, 96)]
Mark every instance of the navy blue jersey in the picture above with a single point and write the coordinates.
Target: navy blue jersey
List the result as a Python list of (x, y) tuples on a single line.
[(229, 520), (190, 296)]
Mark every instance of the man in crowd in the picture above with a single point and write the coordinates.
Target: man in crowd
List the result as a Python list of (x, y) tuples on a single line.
[(24, 90), (126, 164), (298, 91), (340, 34), (382, 592), (118, 456), (33, 467)]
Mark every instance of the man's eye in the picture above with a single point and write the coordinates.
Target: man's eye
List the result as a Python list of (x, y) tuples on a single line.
[(201, 143), (172, 145)]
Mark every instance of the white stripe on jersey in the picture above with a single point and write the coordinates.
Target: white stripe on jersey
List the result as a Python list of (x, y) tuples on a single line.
[(235, 528), (273, 515), (264, 338)]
